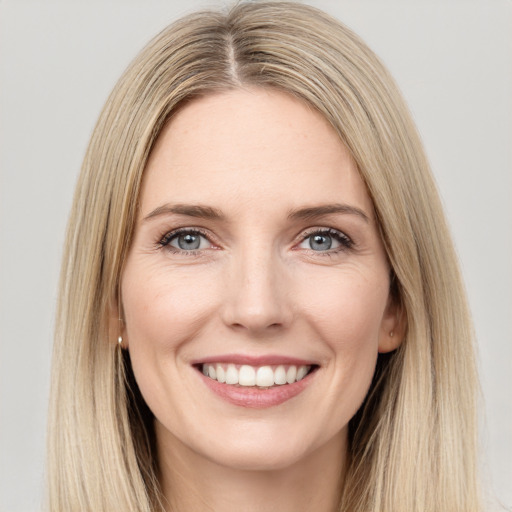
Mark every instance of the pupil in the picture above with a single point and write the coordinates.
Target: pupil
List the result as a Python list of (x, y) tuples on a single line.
[(321, 242), (189, 241)]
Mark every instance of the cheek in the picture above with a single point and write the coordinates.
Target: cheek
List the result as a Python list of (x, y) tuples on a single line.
[(163, 309), (347, 307), (347, 313)]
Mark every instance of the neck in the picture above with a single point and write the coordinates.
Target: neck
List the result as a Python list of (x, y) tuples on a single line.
[(193, 483)]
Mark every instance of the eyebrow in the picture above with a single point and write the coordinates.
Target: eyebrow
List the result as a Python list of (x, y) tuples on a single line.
[(327, 209), (198, 211), (208, 212)]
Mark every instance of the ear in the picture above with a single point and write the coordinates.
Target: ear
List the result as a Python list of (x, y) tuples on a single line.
[(393, 326), (117, 328)]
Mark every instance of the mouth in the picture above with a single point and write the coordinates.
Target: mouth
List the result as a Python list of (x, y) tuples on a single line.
[(261, 377), (257, 385)]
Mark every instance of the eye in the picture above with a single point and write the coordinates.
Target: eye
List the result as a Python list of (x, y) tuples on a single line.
[(186, 240), (326, 240)]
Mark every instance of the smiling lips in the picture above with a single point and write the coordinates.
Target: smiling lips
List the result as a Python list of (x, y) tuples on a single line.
[(253, 383)]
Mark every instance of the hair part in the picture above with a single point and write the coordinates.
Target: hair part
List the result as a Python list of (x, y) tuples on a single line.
[(413, 442)]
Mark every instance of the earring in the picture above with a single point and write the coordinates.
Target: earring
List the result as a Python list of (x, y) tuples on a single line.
[(391, 334), (120, 341)]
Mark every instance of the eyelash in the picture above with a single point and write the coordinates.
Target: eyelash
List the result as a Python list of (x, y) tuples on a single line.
[(346, 243), (166, 240)]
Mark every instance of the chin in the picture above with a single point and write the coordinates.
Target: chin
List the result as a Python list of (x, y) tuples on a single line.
[(258, 458), (263, 447)]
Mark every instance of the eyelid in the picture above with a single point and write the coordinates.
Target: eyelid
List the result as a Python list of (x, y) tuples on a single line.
[(164, 241), (345, 241)]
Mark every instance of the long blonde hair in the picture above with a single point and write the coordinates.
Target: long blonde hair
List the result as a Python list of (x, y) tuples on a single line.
[(413, 442)]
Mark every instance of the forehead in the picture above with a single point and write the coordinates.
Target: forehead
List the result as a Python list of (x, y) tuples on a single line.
[(252, 146)]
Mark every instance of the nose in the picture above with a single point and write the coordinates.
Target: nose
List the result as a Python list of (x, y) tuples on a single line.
[(258, 298)]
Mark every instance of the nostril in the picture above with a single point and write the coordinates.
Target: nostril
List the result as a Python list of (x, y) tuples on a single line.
[(257, 328)]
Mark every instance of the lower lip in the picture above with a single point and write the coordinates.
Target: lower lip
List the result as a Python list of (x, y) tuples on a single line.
[(257, 398)]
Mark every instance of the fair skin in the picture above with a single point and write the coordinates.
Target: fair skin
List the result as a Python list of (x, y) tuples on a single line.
[(277, 263)]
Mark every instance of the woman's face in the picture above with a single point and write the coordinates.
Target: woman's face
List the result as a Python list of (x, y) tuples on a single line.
[(256, 260)]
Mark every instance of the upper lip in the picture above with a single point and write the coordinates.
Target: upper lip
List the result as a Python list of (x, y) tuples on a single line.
[(251, 360)]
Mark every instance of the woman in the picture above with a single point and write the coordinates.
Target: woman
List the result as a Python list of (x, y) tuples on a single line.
[(260, 306)]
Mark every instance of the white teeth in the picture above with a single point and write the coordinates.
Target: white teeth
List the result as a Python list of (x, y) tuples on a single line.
[(265, 377), (301, 372), (262, 376), (221, 374), (280, 375), (247, 376), (291, 374), (231, 374)]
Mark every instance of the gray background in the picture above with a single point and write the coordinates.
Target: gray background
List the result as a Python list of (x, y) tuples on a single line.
[(58, 62)]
